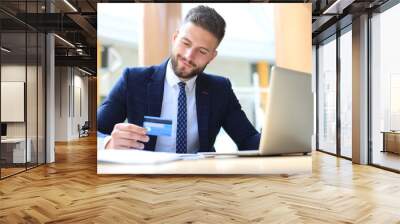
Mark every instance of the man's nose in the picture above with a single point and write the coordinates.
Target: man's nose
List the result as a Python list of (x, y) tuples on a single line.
[(189, 54)]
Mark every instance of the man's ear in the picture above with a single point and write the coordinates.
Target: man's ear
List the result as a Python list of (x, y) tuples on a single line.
[(175, 35), (214, 55)]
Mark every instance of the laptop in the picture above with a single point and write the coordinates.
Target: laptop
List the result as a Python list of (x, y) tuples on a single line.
[(288, 124)]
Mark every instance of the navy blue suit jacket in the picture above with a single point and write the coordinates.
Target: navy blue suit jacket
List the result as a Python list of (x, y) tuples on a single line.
[(139, 93)]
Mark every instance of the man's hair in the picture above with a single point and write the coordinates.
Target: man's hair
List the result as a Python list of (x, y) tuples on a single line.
[(208, 19)]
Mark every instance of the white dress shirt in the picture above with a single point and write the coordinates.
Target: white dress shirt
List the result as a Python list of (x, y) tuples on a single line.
[(169, 111)]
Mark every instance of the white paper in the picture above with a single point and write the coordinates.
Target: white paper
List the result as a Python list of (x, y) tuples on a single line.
[(133, 156), (191, 156)]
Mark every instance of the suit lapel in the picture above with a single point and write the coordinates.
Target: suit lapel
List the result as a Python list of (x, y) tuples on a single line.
[(155, 92), (203, 109)]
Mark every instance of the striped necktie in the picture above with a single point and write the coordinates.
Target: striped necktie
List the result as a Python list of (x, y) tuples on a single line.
[(181, 127)]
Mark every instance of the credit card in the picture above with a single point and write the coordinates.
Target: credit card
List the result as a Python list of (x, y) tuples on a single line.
[(157, 126)]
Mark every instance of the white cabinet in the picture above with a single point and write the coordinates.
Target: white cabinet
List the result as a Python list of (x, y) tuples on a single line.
[(18, 149)]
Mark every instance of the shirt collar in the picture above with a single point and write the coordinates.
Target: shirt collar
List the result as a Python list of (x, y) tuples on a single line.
[(173, 79)]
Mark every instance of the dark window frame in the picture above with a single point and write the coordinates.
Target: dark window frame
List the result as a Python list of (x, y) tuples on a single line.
[(30, 30)]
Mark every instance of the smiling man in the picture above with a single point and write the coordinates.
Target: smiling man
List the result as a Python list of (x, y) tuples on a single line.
[(177, 93)]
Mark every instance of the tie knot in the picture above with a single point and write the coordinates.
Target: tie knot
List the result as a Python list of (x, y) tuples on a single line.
[(182, 85)]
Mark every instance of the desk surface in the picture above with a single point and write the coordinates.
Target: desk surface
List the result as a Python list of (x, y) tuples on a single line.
[(13, 140), (219, 165), (390, 132)]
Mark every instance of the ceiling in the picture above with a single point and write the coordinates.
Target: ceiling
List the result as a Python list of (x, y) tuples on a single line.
[(329, 16), (76, 22)]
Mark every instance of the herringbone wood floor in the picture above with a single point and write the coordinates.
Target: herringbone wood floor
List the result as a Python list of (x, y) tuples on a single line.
[(70, 191)]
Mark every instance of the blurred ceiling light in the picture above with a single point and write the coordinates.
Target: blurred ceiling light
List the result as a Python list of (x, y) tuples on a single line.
[(79, 51), (65, 41), (5, 50), (70, 5), (337, 7), (84, 71)]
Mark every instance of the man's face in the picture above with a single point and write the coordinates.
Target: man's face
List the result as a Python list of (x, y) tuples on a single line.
[(192, 49)]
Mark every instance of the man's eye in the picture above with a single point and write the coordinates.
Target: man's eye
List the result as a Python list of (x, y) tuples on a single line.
[(186, 43), (203, 52)]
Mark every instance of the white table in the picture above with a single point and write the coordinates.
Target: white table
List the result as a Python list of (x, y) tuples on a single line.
[(220, 165), (19, 155)]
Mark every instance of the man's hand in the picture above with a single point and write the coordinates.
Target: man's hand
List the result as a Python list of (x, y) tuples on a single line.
[(127, 136)]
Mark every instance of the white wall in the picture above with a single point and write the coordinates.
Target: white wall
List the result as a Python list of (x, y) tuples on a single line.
[(237, 70), (71, 93), (61, 103), (81, 100), (14, 73), (239, 73), (33, 126), (121, 57)]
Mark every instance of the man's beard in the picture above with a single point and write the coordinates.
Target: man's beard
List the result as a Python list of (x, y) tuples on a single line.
[(193, 73)]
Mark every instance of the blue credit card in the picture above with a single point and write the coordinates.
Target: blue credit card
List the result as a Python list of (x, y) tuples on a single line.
[(157, 126)]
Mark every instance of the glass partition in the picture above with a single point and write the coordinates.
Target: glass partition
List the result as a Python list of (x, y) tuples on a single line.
[(385, 127), (41, 96), (13, 95), (31, 97), (22, 79), (327, 96), (346, 94)]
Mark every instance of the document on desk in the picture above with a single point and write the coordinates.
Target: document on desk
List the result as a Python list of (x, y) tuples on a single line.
[(132, 156)]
